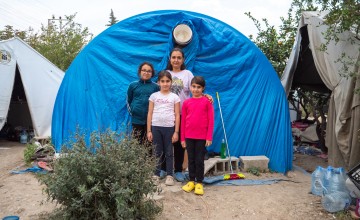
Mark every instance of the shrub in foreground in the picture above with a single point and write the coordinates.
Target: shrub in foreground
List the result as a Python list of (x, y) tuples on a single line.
[(29, 151), (110, 178)]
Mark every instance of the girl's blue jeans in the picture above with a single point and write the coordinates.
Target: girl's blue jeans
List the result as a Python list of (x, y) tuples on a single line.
[(163, 146)]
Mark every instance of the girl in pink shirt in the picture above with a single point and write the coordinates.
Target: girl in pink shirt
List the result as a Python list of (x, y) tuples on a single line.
[(197, 125)]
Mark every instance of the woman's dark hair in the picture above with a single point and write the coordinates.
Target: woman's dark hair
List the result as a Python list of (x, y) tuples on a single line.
[(163, 73), (169, 66), (149, 64), (198, 80)]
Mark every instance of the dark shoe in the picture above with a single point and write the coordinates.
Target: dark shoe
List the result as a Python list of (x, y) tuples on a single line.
[(206, 157)]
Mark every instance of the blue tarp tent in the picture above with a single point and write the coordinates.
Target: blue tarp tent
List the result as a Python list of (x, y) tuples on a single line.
[(92, 95)]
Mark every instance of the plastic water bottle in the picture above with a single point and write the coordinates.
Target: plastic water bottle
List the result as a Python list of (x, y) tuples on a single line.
[(336, 201), (223, 149), (23, 137), (327, 179), (342, 171), (337, 182), (317, 181)]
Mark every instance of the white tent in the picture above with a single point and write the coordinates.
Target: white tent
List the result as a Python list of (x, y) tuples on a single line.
[(310, 67), (28, 87)]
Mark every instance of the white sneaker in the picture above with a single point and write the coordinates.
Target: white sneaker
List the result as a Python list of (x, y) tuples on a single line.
[(169, 180)]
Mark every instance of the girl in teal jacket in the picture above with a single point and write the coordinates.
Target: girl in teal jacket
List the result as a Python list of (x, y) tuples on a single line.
[(137, 100)]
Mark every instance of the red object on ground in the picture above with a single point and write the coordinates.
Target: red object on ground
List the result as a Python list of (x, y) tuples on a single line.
[(301, 126), (44, 166), (234, 176)]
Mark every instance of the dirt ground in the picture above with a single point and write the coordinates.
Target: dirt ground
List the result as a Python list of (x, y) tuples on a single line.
[(21, 194)]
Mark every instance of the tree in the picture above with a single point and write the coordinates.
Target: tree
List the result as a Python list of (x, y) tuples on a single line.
[(343, 16), (113, 19), (10, 32), (277, 44), (60, 42)]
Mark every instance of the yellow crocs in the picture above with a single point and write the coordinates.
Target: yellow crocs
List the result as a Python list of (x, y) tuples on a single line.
[(189, 186), (199, 190)]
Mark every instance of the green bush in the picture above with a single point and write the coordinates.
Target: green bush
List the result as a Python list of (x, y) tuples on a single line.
[(29, 151), (113, 183)]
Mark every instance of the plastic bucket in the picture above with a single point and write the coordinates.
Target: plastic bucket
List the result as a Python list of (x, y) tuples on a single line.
[(182, 34)]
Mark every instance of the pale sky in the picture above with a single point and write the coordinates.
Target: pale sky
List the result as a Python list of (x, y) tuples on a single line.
[(94, 14)]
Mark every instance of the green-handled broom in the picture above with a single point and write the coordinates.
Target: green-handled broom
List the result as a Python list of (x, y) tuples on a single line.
[(223, 126)]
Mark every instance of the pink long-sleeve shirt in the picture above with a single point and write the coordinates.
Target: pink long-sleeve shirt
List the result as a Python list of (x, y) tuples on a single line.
[(197, 119)]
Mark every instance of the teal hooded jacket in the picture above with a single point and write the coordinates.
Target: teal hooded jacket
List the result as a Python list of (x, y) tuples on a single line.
[(138, 100)]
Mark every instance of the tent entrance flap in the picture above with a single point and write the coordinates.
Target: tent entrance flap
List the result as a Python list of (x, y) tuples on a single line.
[(18, 114), (306, 74)]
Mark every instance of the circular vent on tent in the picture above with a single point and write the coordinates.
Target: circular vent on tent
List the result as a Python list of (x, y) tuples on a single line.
[(182, 34)]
